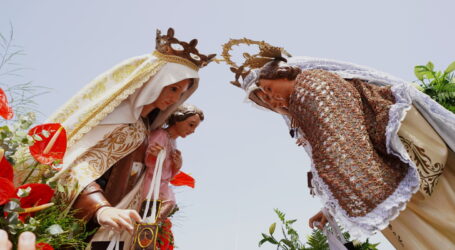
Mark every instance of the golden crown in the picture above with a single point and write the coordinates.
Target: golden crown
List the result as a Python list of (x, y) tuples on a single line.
[(266, 54), (169, 47)]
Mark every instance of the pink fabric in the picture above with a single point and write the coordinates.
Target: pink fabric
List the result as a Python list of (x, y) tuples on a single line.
[(161, 137)]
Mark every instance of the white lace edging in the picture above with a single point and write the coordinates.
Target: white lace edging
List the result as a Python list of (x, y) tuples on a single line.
[(375, 220)]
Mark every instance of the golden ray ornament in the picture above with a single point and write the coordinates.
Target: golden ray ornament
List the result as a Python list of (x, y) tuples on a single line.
[(267, 53)]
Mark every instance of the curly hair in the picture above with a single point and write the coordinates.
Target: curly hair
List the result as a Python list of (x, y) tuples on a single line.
[(279, 69), (183, 112)]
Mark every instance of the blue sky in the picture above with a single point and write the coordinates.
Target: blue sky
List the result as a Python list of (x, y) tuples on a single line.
[(243, 159)]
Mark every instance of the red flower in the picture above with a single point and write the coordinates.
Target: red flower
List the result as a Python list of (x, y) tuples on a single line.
[(5, 110), (51, 148), (6, 170), (43, 246), (39, 195), (7, 190), (165, 236), (183, 179)]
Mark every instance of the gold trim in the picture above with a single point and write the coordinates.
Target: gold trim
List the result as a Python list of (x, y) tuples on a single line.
[(151, 240), (153, 227), (429, 170), (119, 93), (263, 47), (176, 59)]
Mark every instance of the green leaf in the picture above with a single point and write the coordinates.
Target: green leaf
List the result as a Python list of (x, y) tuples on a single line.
[(13, 218), (37, 137), (13, 206), (290, 222), (287, 242), (24, 192), (450, 68), (280, 214), (272, 228), (269, 239), (421, 72), (430, 66), (46, 133), (262, 242), (60, 188)]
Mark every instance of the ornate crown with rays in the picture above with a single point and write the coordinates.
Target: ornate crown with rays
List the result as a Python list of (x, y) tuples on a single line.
[(170, 47), (266, 54)]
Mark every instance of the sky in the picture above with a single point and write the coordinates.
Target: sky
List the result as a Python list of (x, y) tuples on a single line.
[(243, 158)]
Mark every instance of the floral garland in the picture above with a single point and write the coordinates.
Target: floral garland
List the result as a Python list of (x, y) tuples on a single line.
[(30, 206)]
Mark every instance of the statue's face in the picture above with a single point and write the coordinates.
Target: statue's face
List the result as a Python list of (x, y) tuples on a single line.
[(187, 126), (272, 104), (278, 90), (171, 94)]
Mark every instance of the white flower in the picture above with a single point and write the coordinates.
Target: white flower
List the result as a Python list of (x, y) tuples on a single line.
[(55, 229)]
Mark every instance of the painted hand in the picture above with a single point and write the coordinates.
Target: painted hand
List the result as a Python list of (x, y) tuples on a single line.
[(155, 149), (319, 220), (177, 160), (118, 219)]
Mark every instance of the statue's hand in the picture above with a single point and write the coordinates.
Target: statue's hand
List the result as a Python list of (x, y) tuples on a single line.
[(118, 219), (155, 149), (319, 220), (177, 159)]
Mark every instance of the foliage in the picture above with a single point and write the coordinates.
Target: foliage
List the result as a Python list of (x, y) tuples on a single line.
[(21, 94), (22, 152), (15, 135), (51, 227), (291, 240), (439, 85)]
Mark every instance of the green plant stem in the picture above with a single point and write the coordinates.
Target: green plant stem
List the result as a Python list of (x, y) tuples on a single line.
[(35, 164)]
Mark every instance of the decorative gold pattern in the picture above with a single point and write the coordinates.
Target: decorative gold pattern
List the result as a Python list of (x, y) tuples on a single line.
[(96, 161), (429, 172), (397, 236), (70, 107), (122, 73), (96, 90), (266, 51), (100, 111), (330, 112), (90, 113), (86, 109), (266, 54)]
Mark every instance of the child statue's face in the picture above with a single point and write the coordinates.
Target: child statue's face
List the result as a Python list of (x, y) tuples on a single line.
[(187, 126)]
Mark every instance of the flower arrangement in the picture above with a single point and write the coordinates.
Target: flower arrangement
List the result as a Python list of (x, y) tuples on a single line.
[(28, 157)]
